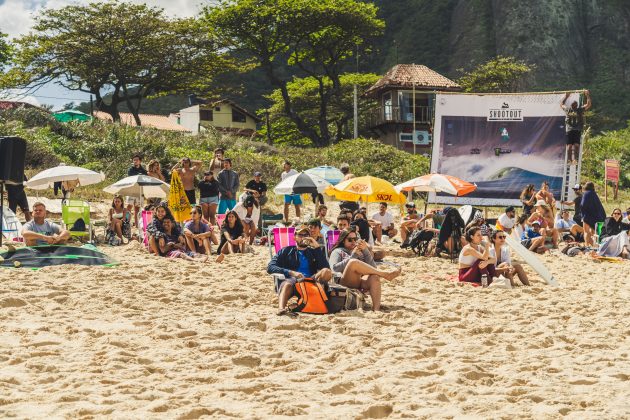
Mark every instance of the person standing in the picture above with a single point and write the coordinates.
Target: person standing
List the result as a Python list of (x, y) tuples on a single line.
[(592, 212), (228, 186), (209, 196), (292, 198), (576, 203), (216, 164), (17, 198), (574, 123), (257, 188), (187, 169), (132, 201)]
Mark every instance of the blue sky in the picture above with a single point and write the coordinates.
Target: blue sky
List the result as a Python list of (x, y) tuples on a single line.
[(16, 18)]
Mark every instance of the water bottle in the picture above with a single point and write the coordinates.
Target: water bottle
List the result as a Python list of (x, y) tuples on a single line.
[(484, 280)]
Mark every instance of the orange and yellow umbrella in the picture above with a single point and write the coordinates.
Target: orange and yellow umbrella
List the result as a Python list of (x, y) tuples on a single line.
[(366, 188), (438, 183)]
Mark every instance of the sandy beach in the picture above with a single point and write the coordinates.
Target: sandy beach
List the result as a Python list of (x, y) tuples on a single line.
[(159, 338)]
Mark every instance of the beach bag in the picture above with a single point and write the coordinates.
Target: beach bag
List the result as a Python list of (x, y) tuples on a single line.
[(341, 298), (419, 240), (501, 282), (312, 297)]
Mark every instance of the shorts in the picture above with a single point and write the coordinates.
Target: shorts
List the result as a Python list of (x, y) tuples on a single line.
[(209, 200), (191, 196), (289, 280), (293, 199), (574, 137), (225, 205), (526, 243), (133, 201), (17, 198)]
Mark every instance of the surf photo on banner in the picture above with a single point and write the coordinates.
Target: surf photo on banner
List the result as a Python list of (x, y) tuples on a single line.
[(499, 142)]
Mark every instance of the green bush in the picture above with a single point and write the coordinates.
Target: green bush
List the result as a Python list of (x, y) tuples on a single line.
[(609, 145)]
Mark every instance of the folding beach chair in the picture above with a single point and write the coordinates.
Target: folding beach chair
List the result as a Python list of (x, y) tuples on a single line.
[(268, 221), (76, 218), (220, 218), (331, 238), (279, 237), (11, 226), (598, 231), (145, 218)]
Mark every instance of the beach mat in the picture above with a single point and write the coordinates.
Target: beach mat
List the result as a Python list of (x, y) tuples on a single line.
[(47, 255)]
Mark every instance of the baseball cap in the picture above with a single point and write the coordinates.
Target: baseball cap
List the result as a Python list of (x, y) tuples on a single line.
[(410, 204), (207, 173), (257, 173), (536, 222), (314, 222), (577, 187)]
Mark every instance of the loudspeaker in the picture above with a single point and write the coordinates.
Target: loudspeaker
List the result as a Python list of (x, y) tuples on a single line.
[(12, 155)]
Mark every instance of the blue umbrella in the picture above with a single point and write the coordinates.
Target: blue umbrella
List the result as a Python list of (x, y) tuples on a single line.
[(329, 173)]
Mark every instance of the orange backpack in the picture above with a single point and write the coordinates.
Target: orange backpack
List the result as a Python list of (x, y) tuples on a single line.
[(312, 297)]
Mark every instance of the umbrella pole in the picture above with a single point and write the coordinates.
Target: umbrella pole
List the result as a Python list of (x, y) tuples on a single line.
[(1, 209)]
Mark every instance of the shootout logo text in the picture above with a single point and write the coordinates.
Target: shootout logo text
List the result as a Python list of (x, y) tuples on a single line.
[(505, 113)]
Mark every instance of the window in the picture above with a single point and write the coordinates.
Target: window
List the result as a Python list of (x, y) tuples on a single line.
[(238, 116), (205, 114), (217, 108), (387, 106)]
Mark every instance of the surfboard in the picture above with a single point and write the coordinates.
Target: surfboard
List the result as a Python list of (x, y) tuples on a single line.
[(531, 259)]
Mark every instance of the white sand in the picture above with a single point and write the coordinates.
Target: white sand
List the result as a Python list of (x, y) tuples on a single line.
[(159, 338)]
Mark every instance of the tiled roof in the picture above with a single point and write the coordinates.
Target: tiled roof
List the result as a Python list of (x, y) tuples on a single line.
[(406, 75), (15, 104), (161, 122), (234, 105)]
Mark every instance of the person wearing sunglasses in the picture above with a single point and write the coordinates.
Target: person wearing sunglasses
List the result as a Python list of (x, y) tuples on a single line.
[(353, 258), (504, 265), (614, 240), (302, 260)]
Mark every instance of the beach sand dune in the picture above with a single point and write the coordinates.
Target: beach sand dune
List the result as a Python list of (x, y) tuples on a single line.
[(159, 338)]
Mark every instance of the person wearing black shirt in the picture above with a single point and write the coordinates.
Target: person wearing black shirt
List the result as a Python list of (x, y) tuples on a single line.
[(257, 188), (209, 196), (135, 202), (232, 237)]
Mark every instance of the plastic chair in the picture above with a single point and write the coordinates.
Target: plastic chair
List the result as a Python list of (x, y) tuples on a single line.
[(71, 212), (220, 219), (269, 220), (11, 226), (598, 230), (146, 217), (331, 238), (282, 236)]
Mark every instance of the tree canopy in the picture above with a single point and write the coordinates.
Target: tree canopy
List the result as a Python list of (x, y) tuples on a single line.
[(498, 75), (5, 50), (316, 39), (131, 51)]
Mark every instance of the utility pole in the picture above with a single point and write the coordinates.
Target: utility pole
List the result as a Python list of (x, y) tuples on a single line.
[(413, 101), (91, 106)]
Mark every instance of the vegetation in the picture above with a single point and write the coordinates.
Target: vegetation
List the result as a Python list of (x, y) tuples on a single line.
[(130, 50), (305, 96), (314, 38), (5, 51), (609, 145), (499, 75)]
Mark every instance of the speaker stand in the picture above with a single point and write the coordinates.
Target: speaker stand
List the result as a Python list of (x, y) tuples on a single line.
[(1, 209)]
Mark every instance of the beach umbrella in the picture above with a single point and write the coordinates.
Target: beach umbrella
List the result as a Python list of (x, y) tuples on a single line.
[(178, 200), (366, 188), (139, 186), (329, 173), (301, 183), (47, 178), (71, 115), (438, 183)]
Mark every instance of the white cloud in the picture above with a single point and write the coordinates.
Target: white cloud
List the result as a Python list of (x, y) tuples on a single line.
[(16, 16)]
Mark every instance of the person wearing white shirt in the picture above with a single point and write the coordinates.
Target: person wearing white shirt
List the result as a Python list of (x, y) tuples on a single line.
[(290, 199), (564, 223), (507, 220), (504, 264), (383, 223), (249, 213)]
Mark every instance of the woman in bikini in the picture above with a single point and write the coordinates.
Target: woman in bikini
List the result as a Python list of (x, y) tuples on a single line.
[(119, 222)]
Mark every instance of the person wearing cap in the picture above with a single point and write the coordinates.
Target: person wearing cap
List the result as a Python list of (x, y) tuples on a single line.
[(564, 224), (314, 226), (249, 213), (228, 186), (187, 170), (257, 188), (507, 220), (209, 196), (576, 203), (302, 260), (532, 238), (290, 198)]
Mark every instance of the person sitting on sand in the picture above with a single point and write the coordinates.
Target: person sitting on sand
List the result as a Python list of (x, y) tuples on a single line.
[(383, 223), (353, 258), (199, 234), (232, 237), (507, 220), (614, 240), (343, 222), (564, 224), (155, 228), (41, 231), (504, 265), (408, 223), (119, 222), (173, 245), (520, 226), (314, 227), (249, 213), (475, 259), (363, 226), (302, 260), (322, 211), (544, 215), (480, 222), (532, 238)]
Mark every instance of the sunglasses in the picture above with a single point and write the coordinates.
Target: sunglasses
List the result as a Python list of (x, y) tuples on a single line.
[(616, 212), (501, 237), (351, 238)]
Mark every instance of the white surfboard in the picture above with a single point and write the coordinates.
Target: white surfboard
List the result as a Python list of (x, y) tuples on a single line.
[(531, 259), (11, 226), (466, 212)]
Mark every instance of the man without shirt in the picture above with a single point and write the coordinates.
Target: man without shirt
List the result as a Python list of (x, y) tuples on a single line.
[(187, 170), (40, 231)]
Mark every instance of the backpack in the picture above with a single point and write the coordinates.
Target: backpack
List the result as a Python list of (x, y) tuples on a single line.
[(419, 240), (341, 298), (312, 297)]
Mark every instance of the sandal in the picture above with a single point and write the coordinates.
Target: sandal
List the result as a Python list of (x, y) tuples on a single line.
[(287, 312)]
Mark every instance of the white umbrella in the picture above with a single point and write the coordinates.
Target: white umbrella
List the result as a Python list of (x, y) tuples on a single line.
[(438, 183), (139, 186), (47, 178), (301, 183), (329, 173)]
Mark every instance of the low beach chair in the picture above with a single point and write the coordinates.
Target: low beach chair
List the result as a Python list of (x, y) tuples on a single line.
[(268, 221), (146, 216), (76, 218), (279, 237), (331, 238), (220, 218), (11, 226)]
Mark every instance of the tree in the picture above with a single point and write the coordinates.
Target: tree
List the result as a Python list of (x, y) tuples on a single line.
[(5, 51), (500, 75), (304, 93), (316, 38), (111, 48)]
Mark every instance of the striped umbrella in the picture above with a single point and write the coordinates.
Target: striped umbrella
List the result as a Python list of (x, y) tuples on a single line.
[(301, 183), (438, 183)]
